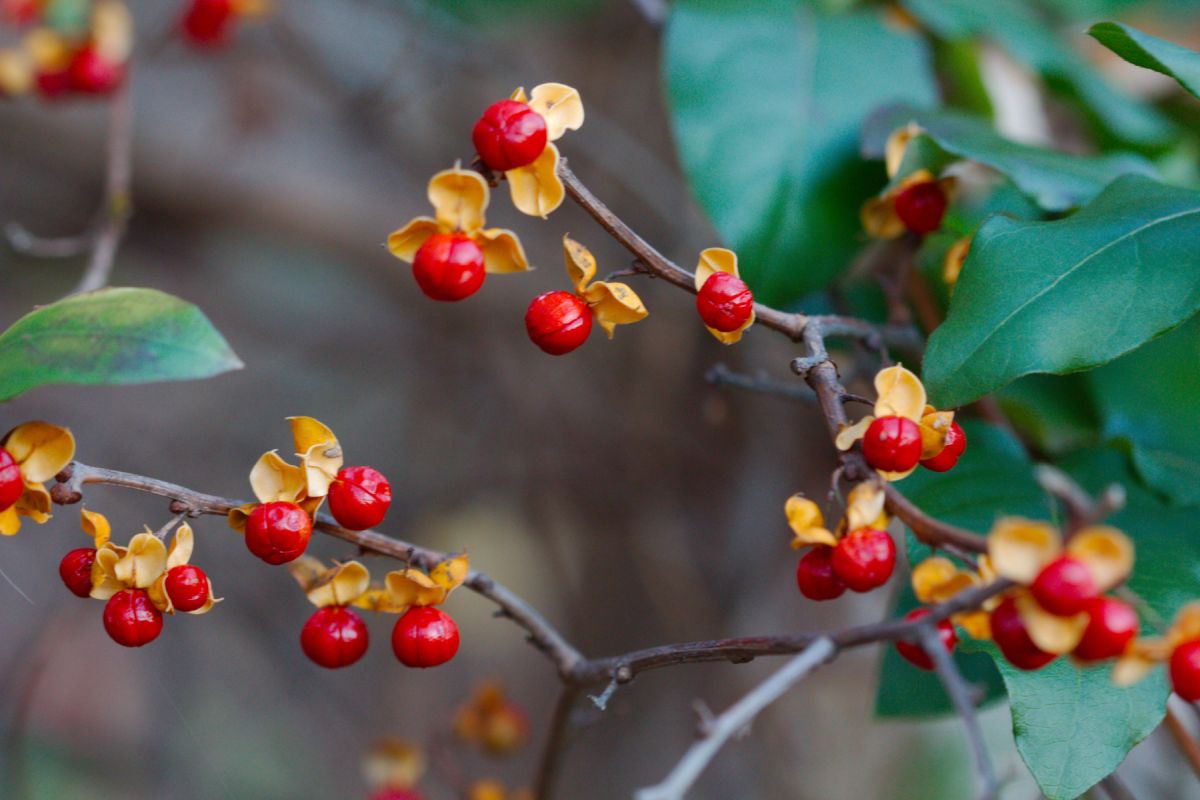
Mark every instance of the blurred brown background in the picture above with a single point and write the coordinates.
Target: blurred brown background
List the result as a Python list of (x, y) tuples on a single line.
[(613, 488)]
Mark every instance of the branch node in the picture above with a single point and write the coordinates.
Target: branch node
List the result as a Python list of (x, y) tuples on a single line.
[(64, 494)]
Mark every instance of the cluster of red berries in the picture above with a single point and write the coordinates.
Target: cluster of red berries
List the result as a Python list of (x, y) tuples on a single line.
[(207, 23), (336, 637), (893, 444), (87, 73), (862, 560), (921, 206)]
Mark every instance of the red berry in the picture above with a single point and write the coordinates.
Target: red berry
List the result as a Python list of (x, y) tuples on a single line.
[(1010, 635), (956, 445), (892, 444), (91, 73), (75, 569), (724, 302), (1064, 587), (1185, 671), (864, 559), (914, 654), (359, 497), (448, 267), (12, 484), (1111, 626), (334, 637), (510, 134), (187, 586), (208, 22), (814, 575), (278, 532), (395, 794), (558, 322), (425, 637), (131, 619), (921, 207), (20, 12), (53, 85)]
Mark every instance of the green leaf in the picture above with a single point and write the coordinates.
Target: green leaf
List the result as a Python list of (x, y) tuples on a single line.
[(112, 336), (1055, 412), (1055, 181), (1068, 295), (766, 102), (1017, 26), (1151, 52), (1142, 402)]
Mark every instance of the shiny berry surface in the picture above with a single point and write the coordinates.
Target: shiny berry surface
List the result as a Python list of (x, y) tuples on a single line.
[(131, 619), (892, 444), (359, 497), (1185, 671), (510, 134), (864, 559), (187, 586), (278, 532), (334, 637), (814, 575), (12, 485), (1112, 625), (449, 267), (558, 322), (208, 22), (425, 637), (956, 445), (1010, 635), (914, 654), (724, 302), (921, 207), (91, 73), (1064, 587), (75, 569)]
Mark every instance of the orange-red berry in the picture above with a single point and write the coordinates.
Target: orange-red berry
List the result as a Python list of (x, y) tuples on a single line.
[(1064, 586), (75, 569), (1011, 636), (724, 302), (12, 485), (1112, 625), (334, 637), (892, 444), (921, 207), (187, 586), (814, 575), (131, 619), (914, 653), (864, 559), (278, 532), (449, 267), (208, 22), (558, 322), (395, 794), (1185, 671), (425, 637), (359, 497), (92, 73), (955, 446), (510, 134)]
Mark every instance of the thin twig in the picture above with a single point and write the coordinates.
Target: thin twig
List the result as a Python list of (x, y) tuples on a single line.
[(960, 697), (24, 241), (1187, 745), (1116, 789), (558, 737), (736, 718), (721, 375), (1082, 510)]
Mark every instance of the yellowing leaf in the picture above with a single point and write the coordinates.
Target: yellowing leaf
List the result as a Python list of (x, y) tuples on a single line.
[(502, 251), (560, 106), (1019, 548), (1107, 552), (899, 393), (41, 449), (459, 197), (536, 189)]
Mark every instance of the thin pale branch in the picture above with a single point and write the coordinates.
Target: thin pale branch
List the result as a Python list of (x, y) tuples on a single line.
[(114, 212), (736, 718), (721, 375), (558, 738), (1184, 740), (1082, 509)]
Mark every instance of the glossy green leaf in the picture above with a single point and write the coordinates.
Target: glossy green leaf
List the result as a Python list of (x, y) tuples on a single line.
[(1055, 412), (1068, 295), (1018, 26), (1144, 402), (765, 107), (112, 336), (1055, 181), (1151, 52)]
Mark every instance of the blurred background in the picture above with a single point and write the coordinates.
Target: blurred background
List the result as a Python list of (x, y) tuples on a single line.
[(613, 488)]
